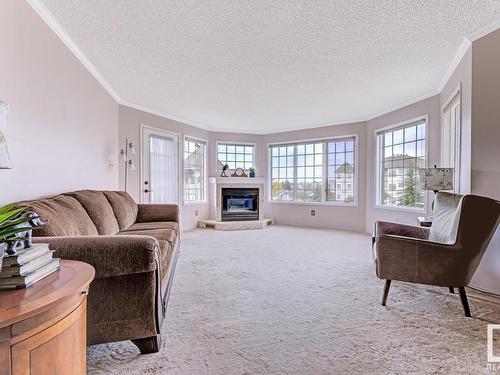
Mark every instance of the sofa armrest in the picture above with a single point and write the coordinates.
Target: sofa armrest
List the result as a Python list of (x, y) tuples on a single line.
[(157, 212), (384, 227), (109, 255)]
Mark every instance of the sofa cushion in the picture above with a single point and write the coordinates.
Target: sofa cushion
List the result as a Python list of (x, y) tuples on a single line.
[(166, 256), (98, 209), (160, 234), (166, 239), (124, 207), (65, 217), (153, 225)]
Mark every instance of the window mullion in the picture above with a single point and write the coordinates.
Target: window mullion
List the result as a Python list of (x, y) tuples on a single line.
[(295, 172), (325, 171)]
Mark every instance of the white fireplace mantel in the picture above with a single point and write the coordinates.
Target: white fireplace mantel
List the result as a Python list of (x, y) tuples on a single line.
[(237, 180), (217, 183)]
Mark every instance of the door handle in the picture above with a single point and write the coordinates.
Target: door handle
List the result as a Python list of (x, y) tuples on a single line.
[(147, 190)]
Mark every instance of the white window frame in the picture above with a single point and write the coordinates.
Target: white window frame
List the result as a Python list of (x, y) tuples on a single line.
[(377, 161), (231, 143), (454, 99), (205, 171), (324, 202)]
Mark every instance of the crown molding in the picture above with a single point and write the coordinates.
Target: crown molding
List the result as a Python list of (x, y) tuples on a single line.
[(485, 30), (290, 129), (50, 20), (404, 104), (164, 115), (459, 55)]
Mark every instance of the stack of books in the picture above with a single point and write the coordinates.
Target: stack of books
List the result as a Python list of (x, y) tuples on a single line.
[(27, 266)]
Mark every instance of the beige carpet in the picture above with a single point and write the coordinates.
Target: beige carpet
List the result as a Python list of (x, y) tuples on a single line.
[(287, 300)]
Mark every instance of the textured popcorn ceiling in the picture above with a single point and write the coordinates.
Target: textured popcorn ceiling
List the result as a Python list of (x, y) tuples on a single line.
[(265, 66)]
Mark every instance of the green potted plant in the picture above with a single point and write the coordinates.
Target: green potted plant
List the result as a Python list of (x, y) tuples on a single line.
[(11, 218)]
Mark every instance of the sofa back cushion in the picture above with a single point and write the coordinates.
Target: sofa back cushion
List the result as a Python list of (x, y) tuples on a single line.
[(65, 217), (124, 207), (98, 209)]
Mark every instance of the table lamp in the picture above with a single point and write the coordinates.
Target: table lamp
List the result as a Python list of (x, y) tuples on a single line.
[(436, 179)]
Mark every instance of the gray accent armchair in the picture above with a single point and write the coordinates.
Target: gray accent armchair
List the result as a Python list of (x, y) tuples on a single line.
[(447, 254)]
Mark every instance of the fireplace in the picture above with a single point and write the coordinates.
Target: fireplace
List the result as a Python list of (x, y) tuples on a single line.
[(239, 204)]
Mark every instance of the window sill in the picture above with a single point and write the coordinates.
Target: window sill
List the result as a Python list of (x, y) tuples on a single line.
[(300, 203), (401, 209)]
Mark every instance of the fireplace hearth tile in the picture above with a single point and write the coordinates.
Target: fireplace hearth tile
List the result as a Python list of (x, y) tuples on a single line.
[(235, 225)]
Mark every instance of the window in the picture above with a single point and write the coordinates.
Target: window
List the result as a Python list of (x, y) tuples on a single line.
[(194, 170), (401, 152), (235, 156), (450, 138), (320, 171)]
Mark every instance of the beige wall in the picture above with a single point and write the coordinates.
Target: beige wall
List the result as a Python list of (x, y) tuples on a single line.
[(485, 147), (130, 124), (63, 126), (486, 116), (430, 107), (340, 217)]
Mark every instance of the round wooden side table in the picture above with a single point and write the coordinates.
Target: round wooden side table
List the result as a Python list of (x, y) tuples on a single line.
[(43, 329)]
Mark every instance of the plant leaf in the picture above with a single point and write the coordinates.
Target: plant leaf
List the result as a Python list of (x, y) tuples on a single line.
[(12, 231), (11, 214), (12, 222), (6, 208)]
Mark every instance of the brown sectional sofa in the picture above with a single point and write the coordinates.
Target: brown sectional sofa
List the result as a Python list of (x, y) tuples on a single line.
[(133, 248)]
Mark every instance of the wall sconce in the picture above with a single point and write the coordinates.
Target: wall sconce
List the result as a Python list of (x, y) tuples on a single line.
[(129, 163)]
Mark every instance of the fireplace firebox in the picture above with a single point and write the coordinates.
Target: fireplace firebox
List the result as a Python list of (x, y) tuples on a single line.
[(239, 204)]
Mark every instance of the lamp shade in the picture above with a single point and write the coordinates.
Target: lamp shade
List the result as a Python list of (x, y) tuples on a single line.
[(436, 178), (4, 152)]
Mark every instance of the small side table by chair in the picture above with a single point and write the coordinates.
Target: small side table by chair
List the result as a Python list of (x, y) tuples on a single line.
[(424, 221)]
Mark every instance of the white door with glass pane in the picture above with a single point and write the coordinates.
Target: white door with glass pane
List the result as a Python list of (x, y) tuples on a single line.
[(160, 166)]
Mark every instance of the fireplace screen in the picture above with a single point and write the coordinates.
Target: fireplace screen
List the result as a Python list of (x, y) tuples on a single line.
[(240, 204)]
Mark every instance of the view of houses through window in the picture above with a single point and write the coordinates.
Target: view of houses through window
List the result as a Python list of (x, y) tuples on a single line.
[(314, 171), (194, 170), (402, 152)]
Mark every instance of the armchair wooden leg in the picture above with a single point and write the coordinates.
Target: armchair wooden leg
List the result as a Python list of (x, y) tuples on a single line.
[(452, 290), (387, 285), (148, 344), (463, 299)]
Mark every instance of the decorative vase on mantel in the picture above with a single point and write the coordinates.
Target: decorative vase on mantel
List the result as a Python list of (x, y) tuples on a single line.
[(251, 172)]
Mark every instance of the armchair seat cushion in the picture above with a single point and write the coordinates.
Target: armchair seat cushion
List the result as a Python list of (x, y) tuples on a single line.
[(153, 225)]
